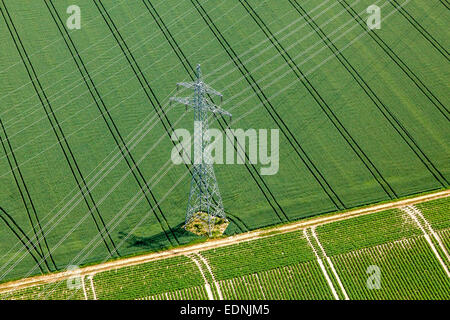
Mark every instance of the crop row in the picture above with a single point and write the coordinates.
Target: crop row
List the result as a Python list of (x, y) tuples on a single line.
[(258, 255), (192, 293), (298, 281), (51, 291), (436, 212), (407, 270), (283, 266), (445, 236), (148, 279), (366, 231)]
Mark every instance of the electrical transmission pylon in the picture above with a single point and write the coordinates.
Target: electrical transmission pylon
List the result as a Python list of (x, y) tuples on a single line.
[(204, 196)]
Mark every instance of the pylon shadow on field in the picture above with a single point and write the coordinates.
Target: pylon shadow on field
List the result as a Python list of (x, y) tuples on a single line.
[(159, 241)]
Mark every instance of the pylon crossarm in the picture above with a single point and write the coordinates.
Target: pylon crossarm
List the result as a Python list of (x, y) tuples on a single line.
[(210, 90), (189, 85), (185, 101), (217, 110)]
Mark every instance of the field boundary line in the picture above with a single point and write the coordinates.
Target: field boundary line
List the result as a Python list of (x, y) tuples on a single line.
[(412, 214), (51, 43), (211, 244), (330, 263), (326, 212), (94, 183), (322, 266)]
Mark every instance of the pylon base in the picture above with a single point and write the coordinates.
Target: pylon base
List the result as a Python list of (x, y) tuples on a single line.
[(199, 225)]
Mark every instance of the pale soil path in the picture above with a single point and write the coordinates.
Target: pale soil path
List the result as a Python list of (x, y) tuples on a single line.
[(203, 259), (330, 263), (207, 286), (84, 288), (322, 267), (374, 251), (431, 230), (91, 280), (215, 243), (412, 214)]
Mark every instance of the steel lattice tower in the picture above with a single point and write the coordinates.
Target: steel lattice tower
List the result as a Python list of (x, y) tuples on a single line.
[(204, 196)]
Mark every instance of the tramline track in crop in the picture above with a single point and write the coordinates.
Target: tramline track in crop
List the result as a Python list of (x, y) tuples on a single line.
[(420, 29), (190, 70), (26, 197), (136, 68), (144, 84), (320, 101), (269, 108), (389, 116), (106, 115), (445, 4), (398, 61), (65, 147), (11, 224)]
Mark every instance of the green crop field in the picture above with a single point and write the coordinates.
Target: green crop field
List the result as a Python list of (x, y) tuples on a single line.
[(85, 127), (314, 263)]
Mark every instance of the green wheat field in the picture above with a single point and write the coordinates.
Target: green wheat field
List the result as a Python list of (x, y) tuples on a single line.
[(85, 130)]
